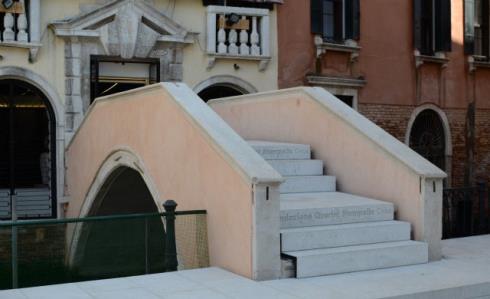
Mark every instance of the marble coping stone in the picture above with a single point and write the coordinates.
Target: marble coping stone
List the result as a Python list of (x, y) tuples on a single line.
[(329, 208), (329, 261), (302, 184), (314, 237), (297, 167), (276, 150)]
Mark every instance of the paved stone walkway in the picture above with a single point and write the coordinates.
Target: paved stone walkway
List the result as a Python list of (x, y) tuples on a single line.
[(463, 273)]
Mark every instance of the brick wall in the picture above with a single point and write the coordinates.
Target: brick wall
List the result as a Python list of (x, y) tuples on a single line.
[(457, 123), (394, 119), (35, 243), (482, 144)]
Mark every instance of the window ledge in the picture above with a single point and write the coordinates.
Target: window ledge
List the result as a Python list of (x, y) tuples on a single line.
[(318, 80), (438, 58), (349, 46), (263, 60), (475, 62), (33, 47)]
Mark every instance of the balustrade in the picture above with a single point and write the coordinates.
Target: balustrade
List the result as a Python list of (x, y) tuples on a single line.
[(238, 32), (15, 24)]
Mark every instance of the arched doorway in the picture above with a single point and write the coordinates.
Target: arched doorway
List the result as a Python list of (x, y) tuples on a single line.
[(427, 137), (121, 247), (27, 152), (217, 91), (223, 86)]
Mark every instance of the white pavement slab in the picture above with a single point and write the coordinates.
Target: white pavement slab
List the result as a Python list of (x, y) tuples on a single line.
[(463, 273)]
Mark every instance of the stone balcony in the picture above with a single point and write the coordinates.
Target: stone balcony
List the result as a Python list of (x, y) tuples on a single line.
[(21, 26), (238, 33)]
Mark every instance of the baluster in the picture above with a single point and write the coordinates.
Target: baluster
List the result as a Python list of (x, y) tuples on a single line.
[(254, 38), (22, 35), (244, 48), (8, 24), (233, 38), (222, 48)]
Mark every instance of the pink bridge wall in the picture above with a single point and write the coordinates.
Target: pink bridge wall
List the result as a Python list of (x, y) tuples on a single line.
[(177, 158)]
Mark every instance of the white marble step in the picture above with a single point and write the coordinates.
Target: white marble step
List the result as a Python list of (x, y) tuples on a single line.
[(297, 167), (315, 237), (329, 208), (328, 261), (302, 184), (281, 151)]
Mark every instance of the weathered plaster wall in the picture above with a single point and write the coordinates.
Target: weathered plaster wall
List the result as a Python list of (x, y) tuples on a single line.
[(196, 60), (50, 61), (190, 14), (296, 55), (395, 87)]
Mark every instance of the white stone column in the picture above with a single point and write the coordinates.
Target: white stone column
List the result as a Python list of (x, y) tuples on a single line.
[(8, 24), (222, 48), (265, 35), (233, 39), (254, 38), (244, 48), (73, 84), (35, 20), (22, 35), (211, 33)]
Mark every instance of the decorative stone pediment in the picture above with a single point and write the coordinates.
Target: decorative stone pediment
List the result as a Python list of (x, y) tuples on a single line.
[(125, 28)]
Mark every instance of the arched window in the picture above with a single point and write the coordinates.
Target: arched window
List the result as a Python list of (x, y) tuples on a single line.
[(427, 137), (27, 152)]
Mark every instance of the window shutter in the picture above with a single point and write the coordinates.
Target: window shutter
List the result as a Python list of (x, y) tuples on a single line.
[(317, 17), (352, 19), (339, 20), (417, 24), (443, 25), (485, 28), (469, 29)]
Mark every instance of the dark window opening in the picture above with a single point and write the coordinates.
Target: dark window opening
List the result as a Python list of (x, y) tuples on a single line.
[(336, 20), (432, 26), (348, 100), (477, 28), (219, 91), (110, 75)]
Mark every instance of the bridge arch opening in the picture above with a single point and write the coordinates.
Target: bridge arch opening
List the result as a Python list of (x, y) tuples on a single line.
[(124, 192), (121, 247)]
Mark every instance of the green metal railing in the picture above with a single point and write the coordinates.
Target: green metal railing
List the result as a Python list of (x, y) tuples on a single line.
[(67, 250)]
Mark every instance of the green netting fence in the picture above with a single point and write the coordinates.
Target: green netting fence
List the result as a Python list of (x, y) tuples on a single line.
[(43, 252)]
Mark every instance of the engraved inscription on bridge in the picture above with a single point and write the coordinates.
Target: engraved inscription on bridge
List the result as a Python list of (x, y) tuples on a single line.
[(333, 215)]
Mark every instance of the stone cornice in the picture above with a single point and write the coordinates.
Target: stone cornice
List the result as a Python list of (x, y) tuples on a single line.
[(318, 80), (438, 58)]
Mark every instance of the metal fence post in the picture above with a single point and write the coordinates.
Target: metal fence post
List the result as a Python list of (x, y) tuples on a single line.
[(170, 247), (482, 188), (147, 262), (14, 240)]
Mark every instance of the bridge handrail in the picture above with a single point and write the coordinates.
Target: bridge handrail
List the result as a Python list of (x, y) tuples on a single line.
[(22, 223)]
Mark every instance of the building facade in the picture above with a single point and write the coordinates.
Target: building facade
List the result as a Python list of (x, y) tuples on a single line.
[(417, 68), (57, 56)]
